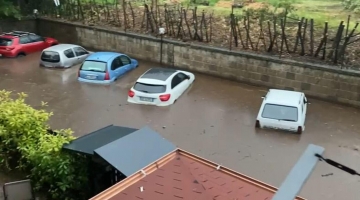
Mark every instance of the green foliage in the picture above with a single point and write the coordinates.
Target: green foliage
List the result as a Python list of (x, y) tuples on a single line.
[(353, 5), (26, 144), (8, 9)]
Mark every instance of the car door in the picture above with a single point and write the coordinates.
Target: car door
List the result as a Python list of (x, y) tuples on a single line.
[(117, 67), (126, 63), (179, 84), (80, 54), (26, 45), (71, 59), (38, 42)]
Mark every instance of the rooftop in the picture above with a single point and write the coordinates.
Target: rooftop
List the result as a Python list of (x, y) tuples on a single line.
[(61, 47), (182, 175), (103, 56), (88, 143), (284, 97), (161, 74)]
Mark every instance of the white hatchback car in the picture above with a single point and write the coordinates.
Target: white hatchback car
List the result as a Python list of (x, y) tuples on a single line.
[(284, 110), (160, 86)]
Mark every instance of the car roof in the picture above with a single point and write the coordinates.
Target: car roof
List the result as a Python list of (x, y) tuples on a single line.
[(103, 56), (283, 97), (15, 34), (158, 73), (61, 47)]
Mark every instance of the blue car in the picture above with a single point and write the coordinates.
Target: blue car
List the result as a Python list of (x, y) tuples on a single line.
[(105, 67)]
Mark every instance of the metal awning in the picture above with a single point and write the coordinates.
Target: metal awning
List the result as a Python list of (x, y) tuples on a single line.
[(135, 151), (88, 143)]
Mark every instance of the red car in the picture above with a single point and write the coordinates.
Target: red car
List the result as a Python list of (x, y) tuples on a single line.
[(19, 43)]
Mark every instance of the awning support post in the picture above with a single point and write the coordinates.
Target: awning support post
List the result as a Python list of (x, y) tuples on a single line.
[(299, 174)]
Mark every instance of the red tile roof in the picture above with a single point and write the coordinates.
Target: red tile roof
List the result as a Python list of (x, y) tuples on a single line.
[(183, 176)]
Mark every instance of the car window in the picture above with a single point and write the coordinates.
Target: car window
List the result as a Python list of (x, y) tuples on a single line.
[(25, 40), (95, 66), (280, 112), (149, 88), (36, 38), (69, 53), (182, 76), (125, 60), (50, 56), (80, 51), (177, 79), (116, 63), (5, 42)]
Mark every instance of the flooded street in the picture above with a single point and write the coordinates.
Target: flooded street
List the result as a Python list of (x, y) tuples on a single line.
[(215, 119)]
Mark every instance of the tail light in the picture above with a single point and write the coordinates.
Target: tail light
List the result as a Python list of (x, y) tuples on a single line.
[(131, 93), (107, 76), (257, 124), (164, 97), (299, 130)]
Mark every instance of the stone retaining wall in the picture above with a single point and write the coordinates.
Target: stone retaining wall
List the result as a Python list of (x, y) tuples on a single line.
[(319, 81), (18, 25)]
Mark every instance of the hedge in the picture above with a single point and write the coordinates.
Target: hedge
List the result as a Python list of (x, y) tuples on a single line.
[(27, 146)]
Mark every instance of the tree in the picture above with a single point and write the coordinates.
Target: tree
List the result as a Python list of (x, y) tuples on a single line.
[(8, 9), (26, 144)]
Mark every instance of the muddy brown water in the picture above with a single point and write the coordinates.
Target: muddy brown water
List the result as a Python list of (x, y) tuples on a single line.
[(214, 119)]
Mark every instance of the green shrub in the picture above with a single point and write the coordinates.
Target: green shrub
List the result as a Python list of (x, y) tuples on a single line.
[(27, 145)]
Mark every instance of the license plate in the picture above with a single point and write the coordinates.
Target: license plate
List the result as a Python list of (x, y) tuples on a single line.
[(90, 77), (146, 99)]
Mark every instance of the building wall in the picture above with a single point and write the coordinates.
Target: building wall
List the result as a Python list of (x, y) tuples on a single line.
[(320, 81)]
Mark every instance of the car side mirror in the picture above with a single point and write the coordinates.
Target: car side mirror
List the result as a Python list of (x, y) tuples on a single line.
[(307, 102), (263, 97)]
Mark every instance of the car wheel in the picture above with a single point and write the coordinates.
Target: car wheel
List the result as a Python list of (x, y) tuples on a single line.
[(20, 55), (299, 131), (257, 124)]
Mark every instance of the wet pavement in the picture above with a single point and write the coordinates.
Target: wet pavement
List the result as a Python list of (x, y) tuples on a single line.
[(214, 119)]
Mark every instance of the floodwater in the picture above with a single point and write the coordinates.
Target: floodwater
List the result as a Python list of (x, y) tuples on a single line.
[(214, 119)]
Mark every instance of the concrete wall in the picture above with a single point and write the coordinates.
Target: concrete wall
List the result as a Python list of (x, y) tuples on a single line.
[(324, 82), (19, 25)]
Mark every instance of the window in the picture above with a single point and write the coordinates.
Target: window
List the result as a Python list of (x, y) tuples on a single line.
[(25, 40), (116, 63), (69, 53), (80, 51), (5, 42), (280, 112), (50, 56), (149, 88), (94, 66), (178, 78), (36, 38), (125, 60)]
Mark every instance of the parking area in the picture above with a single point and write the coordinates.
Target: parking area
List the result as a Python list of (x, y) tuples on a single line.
[(215, 119)]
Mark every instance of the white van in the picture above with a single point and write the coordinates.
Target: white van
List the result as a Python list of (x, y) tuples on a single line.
[(284, 110)]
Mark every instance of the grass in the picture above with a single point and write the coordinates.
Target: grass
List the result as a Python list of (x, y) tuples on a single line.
[(331, 11)]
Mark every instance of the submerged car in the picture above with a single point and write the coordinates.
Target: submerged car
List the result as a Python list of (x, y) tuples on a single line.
[(20, 43), (283, 110), (63, 56), (105, 67), (160, 86)]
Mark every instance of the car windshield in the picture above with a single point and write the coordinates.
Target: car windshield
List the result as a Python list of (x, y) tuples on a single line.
[(149, 88), (5, 42), (95, 66), (280, 112), (50, 56)]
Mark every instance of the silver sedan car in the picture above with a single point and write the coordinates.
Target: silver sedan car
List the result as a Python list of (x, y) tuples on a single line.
[(63, 56)]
